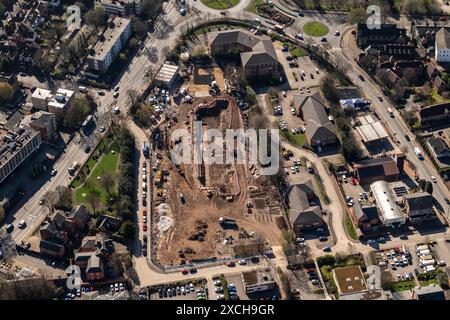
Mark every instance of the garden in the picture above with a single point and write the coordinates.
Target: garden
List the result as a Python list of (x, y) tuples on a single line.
[(97, 176)]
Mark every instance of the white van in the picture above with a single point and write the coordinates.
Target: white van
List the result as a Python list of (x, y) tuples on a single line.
[(82, 89), (22, 224), (144, 186)]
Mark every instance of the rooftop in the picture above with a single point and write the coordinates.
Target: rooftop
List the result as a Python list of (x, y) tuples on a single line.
[(42, 94), (350, 280), (167, 72), (371, 129), (109, 37), (256, 277), (61, 98), (11, 141), (386, 203)]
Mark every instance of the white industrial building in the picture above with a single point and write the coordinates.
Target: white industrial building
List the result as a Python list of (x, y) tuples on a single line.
[(371, 129), (167, 75), (390, 214)]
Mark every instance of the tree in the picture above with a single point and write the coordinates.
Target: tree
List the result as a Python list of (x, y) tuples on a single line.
[(6, 92), (429, 187), (93, 199), (64, 198), (329, 89), (151, 9), (140, 28), (2, 215), (107, 181), (357, 15), (128, 230), (45, 64), (96, 17), (77, 112)]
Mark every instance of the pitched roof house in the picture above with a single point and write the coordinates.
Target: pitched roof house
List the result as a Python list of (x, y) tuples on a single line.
[(319, 129), (430, 115), (439, 148), (258, 56), (419, 207), (304, 206)]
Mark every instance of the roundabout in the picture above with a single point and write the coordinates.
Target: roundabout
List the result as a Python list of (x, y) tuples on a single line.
[(315, 29)]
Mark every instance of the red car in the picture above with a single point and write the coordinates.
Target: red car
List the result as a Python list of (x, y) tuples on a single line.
[(231, 264), (354, 181), (184, 271), (311, 270), (144, 212), (144, 227)]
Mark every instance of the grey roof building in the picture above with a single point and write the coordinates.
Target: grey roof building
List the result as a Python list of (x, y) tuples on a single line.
[(419, 206), (258, 56), (439, 148), (431, 292), (319, 129), (304, 206)]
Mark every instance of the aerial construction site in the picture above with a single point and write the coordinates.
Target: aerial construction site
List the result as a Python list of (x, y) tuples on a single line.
[(205, 211)]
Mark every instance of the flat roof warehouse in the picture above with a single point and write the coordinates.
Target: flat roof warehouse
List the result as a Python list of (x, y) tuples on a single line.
[(167, 74)]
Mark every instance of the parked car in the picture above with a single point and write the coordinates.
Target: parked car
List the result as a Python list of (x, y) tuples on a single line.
[(231, 264)]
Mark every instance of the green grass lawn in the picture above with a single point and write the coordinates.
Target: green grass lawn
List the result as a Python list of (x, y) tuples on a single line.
[(429, 282), (403, 285), (253, 6), (298, 139), (350, 228), (108, 163), (297, 52), (315, 29), (220, 4)]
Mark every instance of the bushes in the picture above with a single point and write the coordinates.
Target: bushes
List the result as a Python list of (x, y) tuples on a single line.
[(326, 260)]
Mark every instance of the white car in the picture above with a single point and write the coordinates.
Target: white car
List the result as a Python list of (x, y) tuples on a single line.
[(243, 262), (283, 93), (116, 110), (299, 36), (256, 20), (433, 178), (116, 88), (182, 11), (116, 95)]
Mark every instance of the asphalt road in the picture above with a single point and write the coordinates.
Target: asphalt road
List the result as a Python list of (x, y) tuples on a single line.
[(424, 167)]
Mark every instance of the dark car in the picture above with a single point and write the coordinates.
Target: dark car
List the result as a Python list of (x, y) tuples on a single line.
[(323, 239), (145, 238), (289, 58), (9, 227), (160, 293), (193, 270), (87, 149), (324, 39), (407, 137), (255, 259), (361, 78)]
